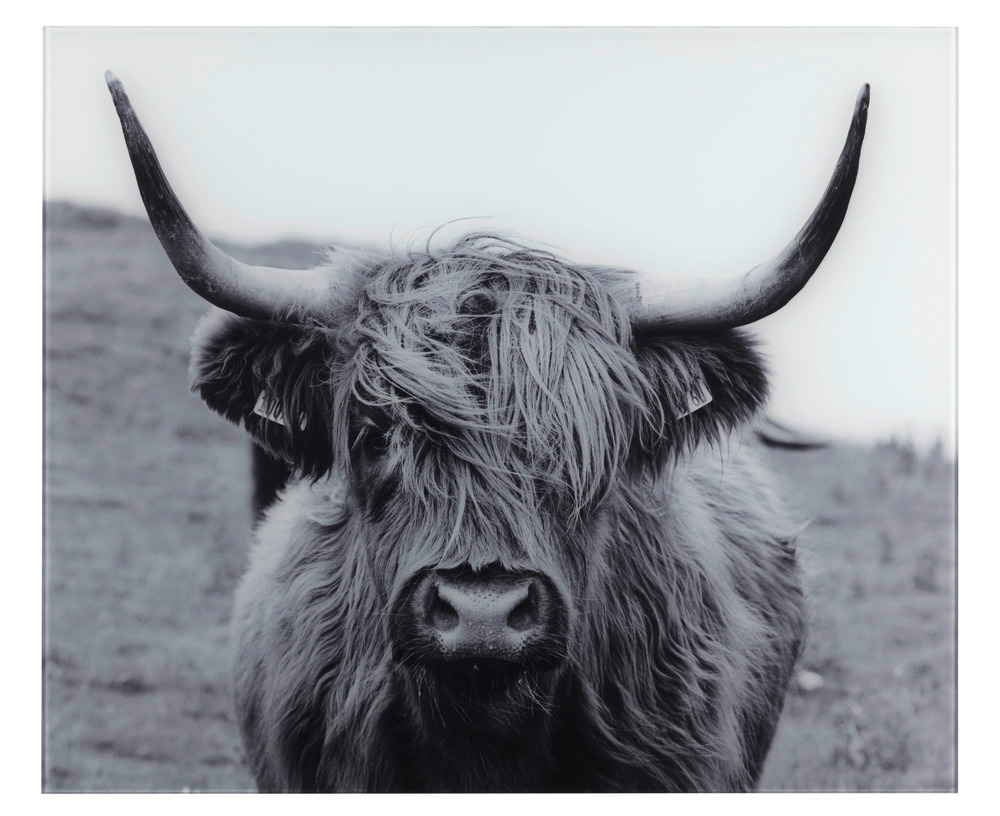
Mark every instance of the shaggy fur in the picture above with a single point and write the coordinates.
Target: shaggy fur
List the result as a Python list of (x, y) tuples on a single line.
[(487, 406)]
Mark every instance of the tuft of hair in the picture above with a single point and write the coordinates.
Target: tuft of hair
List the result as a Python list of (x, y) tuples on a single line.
[(503, 359)]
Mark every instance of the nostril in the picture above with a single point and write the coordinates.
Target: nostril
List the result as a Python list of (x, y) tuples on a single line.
[(491, 616), (442, 615), (524, 616)]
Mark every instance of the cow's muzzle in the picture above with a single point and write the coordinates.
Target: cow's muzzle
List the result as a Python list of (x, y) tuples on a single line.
[(493, 617)]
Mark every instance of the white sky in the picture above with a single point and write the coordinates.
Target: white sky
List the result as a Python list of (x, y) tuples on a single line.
[(681, 152)]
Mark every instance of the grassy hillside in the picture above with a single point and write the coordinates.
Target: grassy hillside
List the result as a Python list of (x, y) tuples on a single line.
[(879, 557), (147, 519)]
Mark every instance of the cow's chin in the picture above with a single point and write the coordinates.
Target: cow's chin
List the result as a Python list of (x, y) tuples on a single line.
[(491, 697)]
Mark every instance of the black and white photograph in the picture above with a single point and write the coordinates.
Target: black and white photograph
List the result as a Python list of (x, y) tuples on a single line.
[(499, 410)]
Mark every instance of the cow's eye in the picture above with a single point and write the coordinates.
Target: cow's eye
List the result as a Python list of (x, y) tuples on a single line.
[(375, 439), (371, 432)]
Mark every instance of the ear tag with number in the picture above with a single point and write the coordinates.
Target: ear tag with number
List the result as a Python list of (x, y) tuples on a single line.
[(699, 397), (271, 411)]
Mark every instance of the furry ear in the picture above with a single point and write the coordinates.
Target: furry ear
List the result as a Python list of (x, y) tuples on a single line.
[(273, 379), (684, 371)]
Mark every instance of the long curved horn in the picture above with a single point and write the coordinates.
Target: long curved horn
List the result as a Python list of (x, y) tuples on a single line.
[(261, 292), (663, 307)]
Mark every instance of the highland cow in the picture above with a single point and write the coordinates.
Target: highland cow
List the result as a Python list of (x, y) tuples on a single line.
[(519, 549)]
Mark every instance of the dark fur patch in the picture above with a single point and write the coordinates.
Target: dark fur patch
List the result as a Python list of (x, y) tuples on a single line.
[(730, 367), (234, 359)]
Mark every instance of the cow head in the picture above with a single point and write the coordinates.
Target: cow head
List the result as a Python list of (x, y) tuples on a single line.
[(481, 407)]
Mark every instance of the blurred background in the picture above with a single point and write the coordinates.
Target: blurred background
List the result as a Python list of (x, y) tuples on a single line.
[(687, 152)]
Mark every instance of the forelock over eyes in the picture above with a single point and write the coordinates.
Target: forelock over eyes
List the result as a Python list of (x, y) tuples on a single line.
[(507, 359)]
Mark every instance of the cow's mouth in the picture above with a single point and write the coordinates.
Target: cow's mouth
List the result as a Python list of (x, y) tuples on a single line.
[(486, 695), (480, 678)]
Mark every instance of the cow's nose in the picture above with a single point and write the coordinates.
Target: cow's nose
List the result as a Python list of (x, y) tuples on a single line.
[(470, 615)]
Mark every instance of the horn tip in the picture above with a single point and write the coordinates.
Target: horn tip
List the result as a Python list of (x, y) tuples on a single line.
[(864, 96), (861, 109), (114, 83)]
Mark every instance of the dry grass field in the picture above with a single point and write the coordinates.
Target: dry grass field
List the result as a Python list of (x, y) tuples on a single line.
[(147, 521)]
